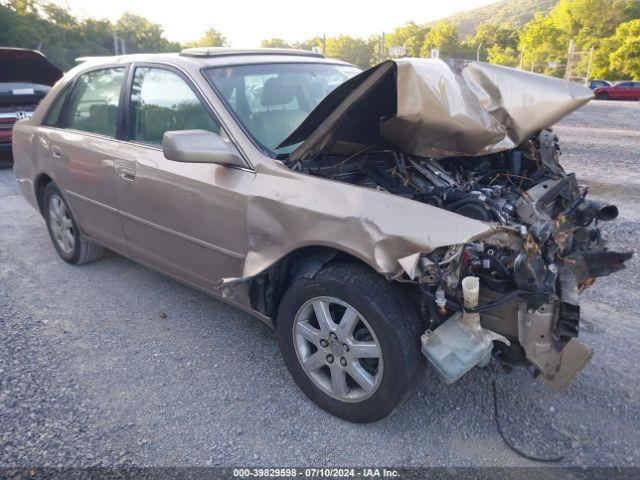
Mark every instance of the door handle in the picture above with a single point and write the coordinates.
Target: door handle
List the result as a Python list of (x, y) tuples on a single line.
[(127, 173), (56, 152)]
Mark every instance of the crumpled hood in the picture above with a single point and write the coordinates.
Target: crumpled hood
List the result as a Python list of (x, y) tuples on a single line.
[(19, 65), (427, 108)]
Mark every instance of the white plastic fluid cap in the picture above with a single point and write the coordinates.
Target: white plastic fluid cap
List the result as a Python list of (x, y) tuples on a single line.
[(470, 291)]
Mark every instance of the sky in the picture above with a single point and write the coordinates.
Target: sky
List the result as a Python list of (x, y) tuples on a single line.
[(246, 22)]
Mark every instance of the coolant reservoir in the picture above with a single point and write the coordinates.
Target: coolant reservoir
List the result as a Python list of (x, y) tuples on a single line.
[(453, 349)]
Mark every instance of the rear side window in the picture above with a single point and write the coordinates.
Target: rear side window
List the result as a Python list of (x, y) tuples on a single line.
[(161, 101), (93, 102)]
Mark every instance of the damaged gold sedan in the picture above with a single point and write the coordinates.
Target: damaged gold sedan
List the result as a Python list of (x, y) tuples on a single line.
[(374, 219)]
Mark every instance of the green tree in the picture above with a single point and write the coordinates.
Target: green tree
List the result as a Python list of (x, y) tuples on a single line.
[(53, 29), (507, 56), (619, 55), (97, 37), (24, 7), (274, 43), (444, 37), (309, 44), (210, 38), (542, 43), (591, 24), (141, 35), (349, 49), (586, 20), (626, 58), (409, 35), (493, 42)]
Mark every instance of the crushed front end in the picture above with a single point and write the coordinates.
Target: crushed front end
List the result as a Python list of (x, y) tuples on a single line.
[(547, 249), (475, 140)]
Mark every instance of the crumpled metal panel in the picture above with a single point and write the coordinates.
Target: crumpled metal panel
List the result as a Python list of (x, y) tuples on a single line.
[(427, 108), (288, 211)]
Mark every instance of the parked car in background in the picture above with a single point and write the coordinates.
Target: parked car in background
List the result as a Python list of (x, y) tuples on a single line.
[(593, 84), (627, 90), (25, 78)]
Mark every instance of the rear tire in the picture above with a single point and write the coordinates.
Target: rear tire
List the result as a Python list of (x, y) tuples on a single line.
[(72, 246), (365, 360)]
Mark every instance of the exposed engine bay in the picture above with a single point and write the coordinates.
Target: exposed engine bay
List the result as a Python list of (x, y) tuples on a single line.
[(549, 249)]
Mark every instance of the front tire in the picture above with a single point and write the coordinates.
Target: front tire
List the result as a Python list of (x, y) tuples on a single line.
[(72, 246), (350, 340), (603, 96)]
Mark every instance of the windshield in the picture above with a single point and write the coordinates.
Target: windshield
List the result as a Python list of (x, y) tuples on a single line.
[(271, 100)]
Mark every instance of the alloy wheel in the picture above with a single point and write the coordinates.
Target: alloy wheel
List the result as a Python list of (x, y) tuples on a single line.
[(61, 224), (338, 349)]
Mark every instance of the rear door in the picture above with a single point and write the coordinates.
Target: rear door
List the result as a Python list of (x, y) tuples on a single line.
[(81, 146), (188, 220)]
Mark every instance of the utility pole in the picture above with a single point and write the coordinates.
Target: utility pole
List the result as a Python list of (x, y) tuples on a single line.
[(521, 58), (324, 44), (381, 48), (567, 73), (478, 52), (119, 47), (589, 66), (115, 43)]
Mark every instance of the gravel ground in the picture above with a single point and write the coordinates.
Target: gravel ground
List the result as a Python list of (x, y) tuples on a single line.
[(112, 363)]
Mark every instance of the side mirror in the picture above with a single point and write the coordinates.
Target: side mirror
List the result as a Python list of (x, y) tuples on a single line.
[(199, 146)]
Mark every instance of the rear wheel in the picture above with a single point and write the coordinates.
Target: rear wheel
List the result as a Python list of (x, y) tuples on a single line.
[(602, 96), (67, 239), (350, 341)]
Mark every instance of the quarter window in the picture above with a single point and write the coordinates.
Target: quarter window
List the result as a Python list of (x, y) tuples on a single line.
[(160, 102), (54, 114), (93, 103)]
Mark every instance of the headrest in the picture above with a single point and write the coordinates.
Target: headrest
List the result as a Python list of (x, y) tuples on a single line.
[(274, 92)]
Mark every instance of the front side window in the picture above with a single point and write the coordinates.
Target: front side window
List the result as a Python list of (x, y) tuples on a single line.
[(161, 101), (93, 102), (272, 100)]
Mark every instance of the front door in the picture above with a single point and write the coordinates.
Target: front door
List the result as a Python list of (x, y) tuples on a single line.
[(188, 220)]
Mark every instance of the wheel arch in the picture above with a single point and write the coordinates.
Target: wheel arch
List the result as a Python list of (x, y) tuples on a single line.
[(268, 287), (39, 185)]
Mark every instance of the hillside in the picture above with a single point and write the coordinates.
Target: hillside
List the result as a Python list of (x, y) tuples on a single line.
[(515, 12)]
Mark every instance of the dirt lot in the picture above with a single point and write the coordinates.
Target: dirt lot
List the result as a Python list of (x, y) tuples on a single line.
[(92, 371)]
